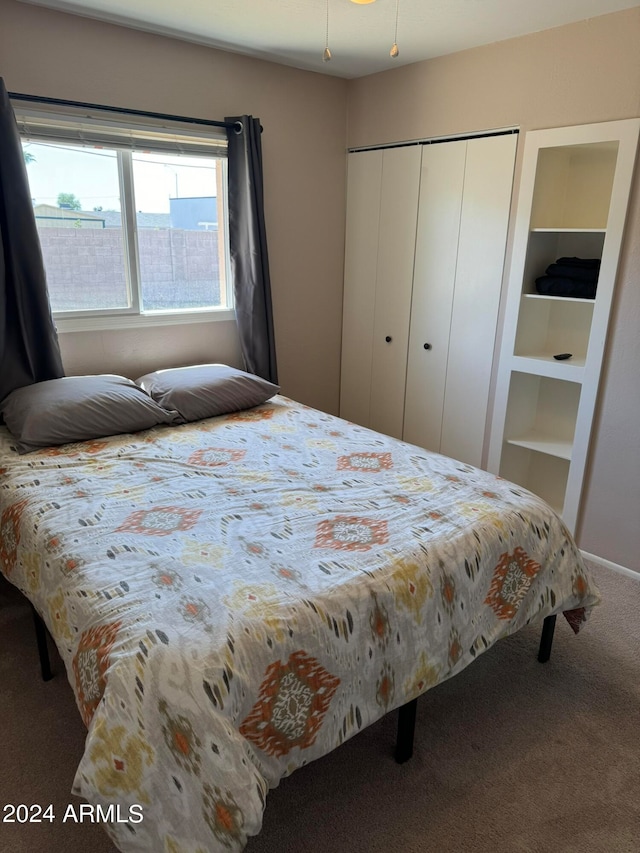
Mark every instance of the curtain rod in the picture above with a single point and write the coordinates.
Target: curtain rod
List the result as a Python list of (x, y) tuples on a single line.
[(435, 140), (61, 102)]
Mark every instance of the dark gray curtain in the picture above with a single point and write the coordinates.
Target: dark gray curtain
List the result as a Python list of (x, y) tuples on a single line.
[(29, 350), (248, 245)]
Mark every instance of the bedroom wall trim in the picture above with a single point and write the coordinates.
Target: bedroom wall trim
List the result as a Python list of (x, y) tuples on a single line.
[(608, 564), (434, 140)]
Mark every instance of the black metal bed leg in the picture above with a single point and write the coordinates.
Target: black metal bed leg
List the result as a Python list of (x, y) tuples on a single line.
[(406, 731), (546, 640), (43, 651)]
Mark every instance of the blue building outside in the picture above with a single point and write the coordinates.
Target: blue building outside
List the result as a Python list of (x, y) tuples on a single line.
[(194, 214)]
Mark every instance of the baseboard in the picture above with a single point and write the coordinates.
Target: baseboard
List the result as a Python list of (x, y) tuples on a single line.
[(607, 564)]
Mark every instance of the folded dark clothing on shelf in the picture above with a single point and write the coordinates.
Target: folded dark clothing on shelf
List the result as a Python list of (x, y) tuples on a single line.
[(559, 270), (579, 262), (548, 285)]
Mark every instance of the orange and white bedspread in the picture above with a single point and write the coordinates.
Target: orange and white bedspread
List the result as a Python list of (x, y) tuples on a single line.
[(236, 597)]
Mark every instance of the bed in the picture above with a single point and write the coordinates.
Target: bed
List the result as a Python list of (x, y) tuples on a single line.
[(237, 596)]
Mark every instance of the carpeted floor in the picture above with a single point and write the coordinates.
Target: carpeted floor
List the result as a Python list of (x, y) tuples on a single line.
[(511, 756)]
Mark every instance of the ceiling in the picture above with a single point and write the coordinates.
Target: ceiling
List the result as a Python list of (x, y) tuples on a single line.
[(292, 32)]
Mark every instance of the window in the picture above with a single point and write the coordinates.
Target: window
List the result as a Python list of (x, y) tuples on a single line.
[(131, 220)]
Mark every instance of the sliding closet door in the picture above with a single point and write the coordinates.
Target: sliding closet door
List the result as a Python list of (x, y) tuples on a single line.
[(396, 247), (364, 182), (484, 223), (382, 209), (426, 236), (441, 185)]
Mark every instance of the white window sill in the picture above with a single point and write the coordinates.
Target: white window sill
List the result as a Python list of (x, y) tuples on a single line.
[(100, 322)]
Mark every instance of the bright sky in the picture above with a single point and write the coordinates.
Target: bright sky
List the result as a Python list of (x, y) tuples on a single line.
[(92, 176)]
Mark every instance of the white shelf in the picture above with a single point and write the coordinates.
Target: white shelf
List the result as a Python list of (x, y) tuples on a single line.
[(574, 361), (544, 364), (542, 443), (558, 298), (569, 230)]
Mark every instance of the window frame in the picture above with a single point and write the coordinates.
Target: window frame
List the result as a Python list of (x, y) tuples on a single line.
[(128, 137)]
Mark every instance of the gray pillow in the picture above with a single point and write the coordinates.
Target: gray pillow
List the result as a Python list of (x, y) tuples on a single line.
[(206, 390), (78, 408)]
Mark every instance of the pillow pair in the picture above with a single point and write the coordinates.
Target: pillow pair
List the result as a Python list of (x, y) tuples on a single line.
[(79, 408), (206, 390)]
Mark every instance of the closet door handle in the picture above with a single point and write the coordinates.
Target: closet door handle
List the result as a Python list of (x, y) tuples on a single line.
[(427, 346), (388, 339)]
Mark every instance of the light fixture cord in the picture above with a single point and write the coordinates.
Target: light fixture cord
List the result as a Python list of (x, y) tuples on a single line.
[(326, 33), (326, 56), (394, 52)]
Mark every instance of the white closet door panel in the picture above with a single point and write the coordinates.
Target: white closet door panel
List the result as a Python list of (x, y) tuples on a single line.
[(441, 185), (364, 181), (396, 248), (481, 248)]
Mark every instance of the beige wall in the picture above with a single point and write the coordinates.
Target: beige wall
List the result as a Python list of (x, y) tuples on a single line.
[(577, 74), (303, 114), (133, 352)]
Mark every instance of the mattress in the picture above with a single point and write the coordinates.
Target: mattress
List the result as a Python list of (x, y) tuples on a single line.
[(236, 597)]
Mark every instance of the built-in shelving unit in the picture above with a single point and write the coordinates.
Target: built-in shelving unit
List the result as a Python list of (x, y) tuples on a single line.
[(573, 200)]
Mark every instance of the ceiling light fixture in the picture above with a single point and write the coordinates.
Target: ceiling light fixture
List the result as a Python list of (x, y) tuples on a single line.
[(393, 53), (326, 55)]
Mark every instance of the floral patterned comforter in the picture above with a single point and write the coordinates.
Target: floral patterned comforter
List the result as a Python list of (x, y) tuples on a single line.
[(236, 597)]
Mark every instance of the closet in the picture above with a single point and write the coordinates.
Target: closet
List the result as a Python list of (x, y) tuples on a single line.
[(425, 244), (573, 202)]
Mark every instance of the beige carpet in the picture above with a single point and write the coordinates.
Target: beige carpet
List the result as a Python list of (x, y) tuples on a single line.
[(511, 755)]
